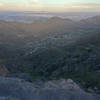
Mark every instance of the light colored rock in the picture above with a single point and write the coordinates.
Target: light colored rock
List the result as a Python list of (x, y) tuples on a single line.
[(62, 84)]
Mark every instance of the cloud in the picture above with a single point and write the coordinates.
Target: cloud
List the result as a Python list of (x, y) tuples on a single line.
[(86, 7), (36, 5), (33, 1), (90, 5), (1, 4)]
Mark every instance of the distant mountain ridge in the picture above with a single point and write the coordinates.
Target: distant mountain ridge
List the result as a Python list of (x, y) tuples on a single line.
[(29, 17), (54, 24)]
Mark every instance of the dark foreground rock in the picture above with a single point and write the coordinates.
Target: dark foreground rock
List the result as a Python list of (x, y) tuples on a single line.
[(24, 76), (17, 89), (3, 70)]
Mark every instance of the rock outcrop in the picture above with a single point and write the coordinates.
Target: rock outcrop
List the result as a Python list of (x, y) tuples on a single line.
[(17, 89), (62, 84)]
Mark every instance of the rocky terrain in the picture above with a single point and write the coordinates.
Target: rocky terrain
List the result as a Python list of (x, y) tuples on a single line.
[(16, 89), (32, 55)]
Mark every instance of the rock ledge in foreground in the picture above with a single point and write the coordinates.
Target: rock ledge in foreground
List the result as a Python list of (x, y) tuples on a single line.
[(17, 89)]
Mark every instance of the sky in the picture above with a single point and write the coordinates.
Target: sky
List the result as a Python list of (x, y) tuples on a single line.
[(51, 5)]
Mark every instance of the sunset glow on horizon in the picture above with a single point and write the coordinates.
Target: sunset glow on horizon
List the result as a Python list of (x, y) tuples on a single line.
[(50, 5)]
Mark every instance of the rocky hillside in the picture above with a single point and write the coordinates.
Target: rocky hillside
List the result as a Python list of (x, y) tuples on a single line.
[(53, 49)]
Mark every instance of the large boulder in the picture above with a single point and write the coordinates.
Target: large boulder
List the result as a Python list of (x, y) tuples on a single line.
[(17, 89)]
